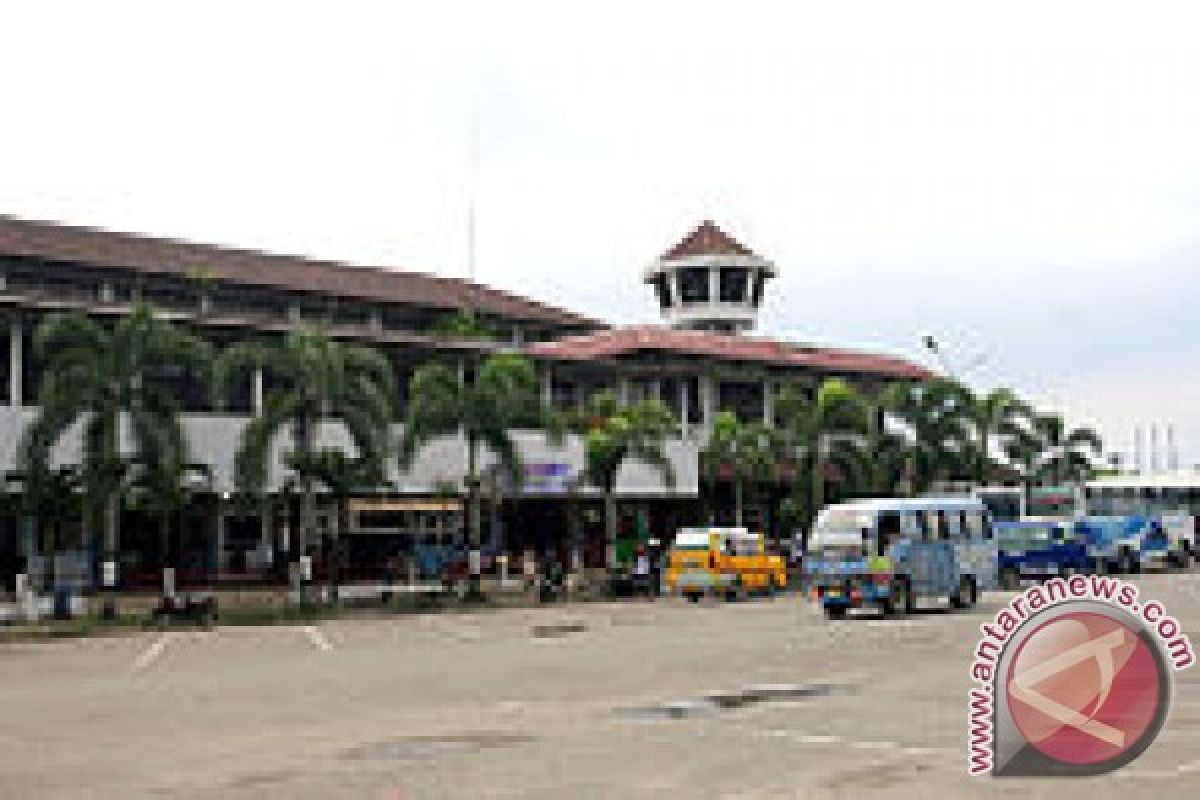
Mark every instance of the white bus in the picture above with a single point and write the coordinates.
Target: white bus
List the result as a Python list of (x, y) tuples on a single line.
[(891, 552), (1171, 497)]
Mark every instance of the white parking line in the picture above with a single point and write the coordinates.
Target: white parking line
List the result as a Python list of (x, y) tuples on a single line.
[(152, 652), (874, 745), (317, 638), (809, 738)]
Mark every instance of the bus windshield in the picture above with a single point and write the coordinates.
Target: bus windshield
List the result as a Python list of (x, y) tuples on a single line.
[(835, 520), (1024, 538)]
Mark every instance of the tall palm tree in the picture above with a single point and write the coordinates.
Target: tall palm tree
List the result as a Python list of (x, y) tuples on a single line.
[(936, 424), (825, 434), (1063, 454), (317, 381), (745, 453), (613, 435), (160, 488), (98, 375), (502, 396), (342, 476), (995, 419)]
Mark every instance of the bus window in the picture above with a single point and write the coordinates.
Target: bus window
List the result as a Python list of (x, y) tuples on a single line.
[(889, 531), (977, 527), (958, 526), (942, 523), (923, 526)]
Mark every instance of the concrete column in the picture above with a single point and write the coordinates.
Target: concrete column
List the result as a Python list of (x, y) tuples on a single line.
[(547, 387), (708, 391), (683, 406), (623, 391), (768, 403), (219, 538), (16, 354), (656, 389), (264, 538), (714, 285), (258, 390)]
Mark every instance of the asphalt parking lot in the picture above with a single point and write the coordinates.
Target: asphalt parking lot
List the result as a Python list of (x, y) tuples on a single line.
[(761, 699)]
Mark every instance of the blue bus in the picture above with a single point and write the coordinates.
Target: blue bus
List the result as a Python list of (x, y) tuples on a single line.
[(1039, 549), (889, 553), (1116, 544)]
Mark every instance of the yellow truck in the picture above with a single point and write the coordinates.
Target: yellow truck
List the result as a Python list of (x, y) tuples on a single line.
[(722, 562)]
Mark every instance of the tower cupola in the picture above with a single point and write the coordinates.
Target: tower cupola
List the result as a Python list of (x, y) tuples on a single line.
[(710, 281)]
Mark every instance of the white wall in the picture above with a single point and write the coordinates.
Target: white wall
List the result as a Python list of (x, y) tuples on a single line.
[(214, 441)]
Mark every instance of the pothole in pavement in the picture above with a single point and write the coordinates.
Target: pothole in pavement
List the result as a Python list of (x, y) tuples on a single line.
[(415, 747), (550, 629), (733, 699)]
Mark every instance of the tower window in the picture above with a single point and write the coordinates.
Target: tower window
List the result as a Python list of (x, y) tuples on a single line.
[(733, 284), (760, 279), (693, 285), (662, 288)]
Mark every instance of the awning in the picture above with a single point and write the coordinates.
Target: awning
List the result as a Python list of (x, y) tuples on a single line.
[(404, 504)]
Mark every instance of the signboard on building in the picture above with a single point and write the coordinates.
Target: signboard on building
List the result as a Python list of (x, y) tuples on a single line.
[(546, 477)]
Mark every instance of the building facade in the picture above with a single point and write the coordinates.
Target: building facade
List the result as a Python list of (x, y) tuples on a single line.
[(701, 361)]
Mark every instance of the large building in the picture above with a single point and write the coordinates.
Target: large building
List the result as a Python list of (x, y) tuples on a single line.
[(699, 361)]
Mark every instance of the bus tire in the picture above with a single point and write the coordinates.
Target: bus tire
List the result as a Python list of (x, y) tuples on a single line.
[(962, 597), (835, 612), (902, 599), (1127, 565), (693, 597), (1010, 578), (1184, 558)]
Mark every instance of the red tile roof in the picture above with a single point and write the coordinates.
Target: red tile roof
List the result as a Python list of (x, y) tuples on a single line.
[(707, 240), (618, 342), (55, 242)]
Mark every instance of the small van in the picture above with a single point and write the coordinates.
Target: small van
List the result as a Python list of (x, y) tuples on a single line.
[(722, 562)]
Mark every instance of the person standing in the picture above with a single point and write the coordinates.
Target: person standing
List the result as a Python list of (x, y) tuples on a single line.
[(641, 572)]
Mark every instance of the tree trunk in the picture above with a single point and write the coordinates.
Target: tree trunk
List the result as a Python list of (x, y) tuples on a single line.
[(108, 567), (610, 526), (737, 501), (307, 528), (164, 538), (305, 433), (818, 477), (341, 525), (574, 536), (474, 592)]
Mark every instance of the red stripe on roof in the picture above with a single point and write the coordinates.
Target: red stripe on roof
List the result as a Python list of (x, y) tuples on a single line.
[(619, 342)]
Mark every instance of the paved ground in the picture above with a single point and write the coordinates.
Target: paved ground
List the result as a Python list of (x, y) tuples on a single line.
[(479, 705)]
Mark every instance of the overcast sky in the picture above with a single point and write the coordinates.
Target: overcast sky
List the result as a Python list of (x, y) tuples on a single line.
[(1021, 180)]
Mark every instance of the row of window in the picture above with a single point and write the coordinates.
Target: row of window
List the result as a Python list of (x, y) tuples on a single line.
[(695, 286), (199, 297), (938, 526)]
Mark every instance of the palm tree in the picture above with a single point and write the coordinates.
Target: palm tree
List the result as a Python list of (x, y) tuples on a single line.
[(342, 476), (160, 487), (995, 418), (1057, 453), (746, 453), (613, 435), (935, 419), (504, 395), (318, 381), (825, 434), (98, 376)]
